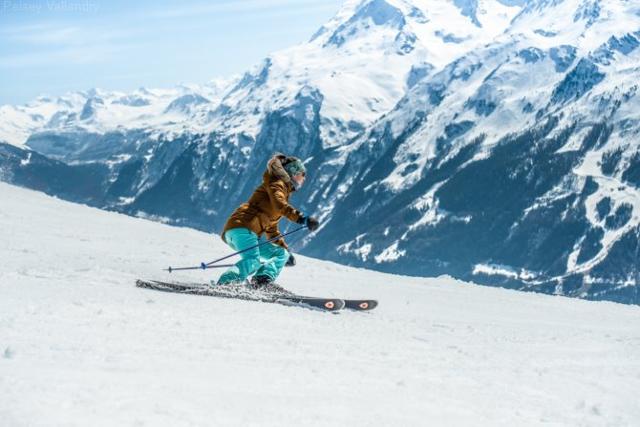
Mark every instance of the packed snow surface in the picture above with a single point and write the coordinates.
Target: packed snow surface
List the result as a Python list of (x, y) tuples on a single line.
[(81, 345)]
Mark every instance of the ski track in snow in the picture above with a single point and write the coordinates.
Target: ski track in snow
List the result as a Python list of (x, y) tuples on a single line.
[(81, 345)]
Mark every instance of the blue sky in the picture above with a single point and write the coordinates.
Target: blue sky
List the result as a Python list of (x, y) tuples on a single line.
[(51, 47)]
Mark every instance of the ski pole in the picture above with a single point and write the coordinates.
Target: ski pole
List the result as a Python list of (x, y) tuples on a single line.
[(273, 239), (204, 266)]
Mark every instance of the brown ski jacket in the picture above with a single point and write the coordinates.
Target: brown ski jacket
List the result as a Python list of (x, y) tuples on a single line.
[(268, 203)]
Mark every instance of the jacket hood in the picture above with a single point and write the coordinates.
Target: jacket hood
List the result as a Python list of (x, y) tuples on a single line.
[(275, 170)]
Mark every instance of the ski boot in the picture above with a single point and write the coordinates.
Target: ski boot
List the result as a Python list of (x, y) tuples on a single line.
[(266, 284), (216, 284)]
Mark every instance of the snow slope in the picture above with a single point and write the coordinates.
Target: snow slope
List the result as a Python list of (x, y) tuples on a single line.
[(80, 345)]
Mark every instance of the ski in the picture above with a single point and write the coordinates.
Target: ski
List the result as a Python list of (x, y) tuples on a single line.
[(245, 293), (328, 304), (202, 288), (360, 304)]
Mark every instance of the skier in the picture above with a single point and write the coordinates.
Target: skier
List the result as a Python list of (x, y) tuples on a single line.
[(260, 215)]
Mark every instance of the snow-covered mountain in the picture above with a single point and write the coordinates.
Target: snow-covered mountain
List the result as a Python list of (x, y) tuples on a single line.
[(517, 163), (165, 111), (356, 67), (491, 140), (81, 345)]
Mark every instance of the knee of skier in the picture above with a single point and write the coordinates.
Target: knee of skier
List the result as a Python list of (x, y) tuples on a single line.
[(255, 265), (281, 257)]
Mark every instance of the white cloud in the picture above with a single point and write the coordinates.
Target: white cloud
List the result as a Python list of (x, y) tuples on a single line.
[(76, 55), (49, 36), (236, 6), (51, 44), (55, 34)]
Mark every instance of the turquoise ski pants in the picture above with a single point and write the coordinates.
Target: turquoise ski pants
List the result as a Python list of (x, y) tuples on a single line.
[(267, 260)]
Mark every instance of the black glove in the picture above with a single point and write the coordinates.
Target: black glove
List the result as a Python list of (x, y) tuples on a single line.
[(291, 261), (311, 223)]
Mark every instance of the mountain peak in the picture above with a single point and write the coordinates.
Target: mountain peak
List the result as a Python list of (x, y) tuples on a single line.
[(381, 12), (186, 103), (370, 13)]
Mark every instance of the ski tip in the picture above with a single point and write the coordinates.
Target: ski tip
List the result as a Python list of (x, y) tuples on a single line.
[(324, 304), (334, 304), (361, 305), (368, 305)]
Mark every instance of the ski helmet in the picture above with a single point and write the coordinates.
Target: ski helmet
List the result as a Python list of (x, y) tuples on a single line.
[(294, 166)]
